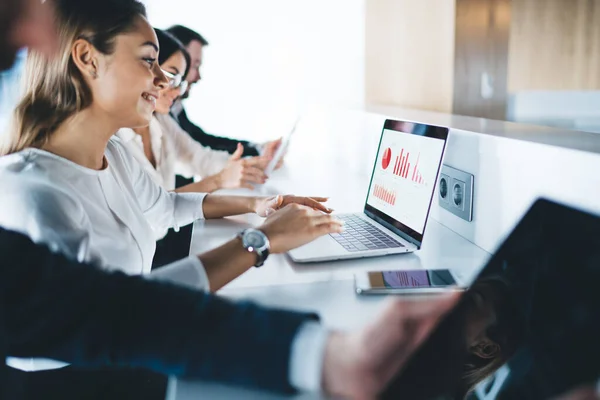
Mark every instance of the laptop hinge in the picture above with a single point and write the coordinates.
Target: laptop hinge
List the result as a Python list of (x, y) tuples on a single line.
[(392, 228)]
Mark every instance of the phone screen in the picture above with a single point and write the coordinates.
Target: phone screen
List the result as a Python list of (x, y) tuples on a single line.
[(411, 279)]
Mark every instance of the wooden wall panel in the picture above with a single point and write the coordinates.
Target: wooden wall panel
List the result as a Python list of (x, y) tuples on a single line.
[(481, 58), (410, 53), (555, 45)]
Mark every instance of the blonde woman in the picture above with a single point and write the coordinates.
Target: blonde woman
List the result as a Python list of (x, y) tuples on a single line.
[(68, 183)]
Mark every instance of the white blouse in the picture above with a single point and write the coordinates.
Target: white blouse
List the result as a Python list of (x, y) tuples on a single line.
[(108, 217), (175, 152)]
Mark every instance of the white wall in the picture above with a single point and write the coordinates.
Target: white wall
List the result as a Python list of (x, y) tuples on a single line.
[(571, 109), (270, 59), (509, 174)]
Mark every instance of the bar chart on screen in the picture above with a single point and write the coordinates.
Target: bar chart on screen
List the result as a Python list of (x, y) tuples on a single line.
[(404, 177), (402, 168), (384, 194)]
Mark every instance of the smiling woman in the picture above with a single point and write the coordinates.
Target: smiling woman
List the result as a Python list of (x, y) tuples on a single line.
[(70, 184), (63, 86)]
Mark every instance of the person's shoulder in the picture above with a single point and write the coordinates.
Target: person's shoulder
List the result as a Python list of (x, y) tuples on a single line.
[(25, 186), (116, 150), (28, 198), (167, 122)]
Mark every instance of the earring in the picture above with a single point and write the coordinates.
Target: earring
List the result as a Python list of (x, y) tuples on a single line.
[(94, 74)]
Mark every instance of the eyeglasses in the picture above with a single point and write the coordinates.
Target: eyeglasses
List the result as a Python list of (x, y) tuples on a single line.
[(176, 81)]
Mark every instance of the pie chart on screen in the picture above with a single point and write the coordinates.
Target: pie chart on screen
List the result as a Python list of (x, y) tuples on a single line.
[(387, 157)]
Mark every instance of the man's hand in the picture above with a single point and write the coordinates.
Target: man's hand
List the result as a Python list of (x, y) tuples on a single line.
[(362, 364)]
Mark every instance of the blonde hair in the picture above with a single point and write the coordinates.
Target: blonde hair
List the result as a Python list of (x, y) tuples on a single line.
[(54, 88)]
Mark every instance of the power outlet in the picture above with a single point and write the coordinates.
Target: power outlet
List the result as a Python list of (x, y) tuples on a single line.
[(455, 192)]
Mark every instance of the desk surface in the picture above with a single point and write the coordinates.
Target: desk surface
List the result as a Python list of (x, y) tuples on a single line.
[(327, 288)]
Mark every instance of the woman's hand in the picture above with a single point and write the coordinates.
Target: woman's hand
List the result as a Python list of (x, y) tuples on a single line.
[(296, 225), (265, 206), (269, 150), (242, 172)]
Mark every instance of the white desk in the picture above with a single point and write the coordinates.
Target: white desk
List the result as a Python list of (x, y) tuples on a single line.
[(326, 288)]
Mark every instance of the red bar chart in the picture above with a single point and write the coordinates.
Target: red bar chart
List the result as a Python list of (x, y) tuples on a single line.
[(384, 194), (402, 167), (416, 175)]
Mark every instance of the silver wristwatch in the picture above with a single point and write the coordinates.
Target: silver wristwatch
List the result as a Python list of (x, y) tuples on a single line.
[(254, 241)]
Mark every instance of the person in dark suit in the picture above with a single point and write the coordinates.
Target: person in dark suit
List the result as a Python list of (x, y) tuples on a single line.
[(195, 43), (54, 307), (57, 308)]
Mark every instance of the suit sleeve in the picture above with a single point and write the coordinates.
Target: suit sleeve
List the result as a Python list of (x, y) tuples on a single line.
[(60, 309), (212, 141)]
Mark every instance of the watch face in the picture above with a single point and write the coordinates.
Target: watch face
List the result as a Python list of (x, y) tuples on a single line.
[(254, 239)]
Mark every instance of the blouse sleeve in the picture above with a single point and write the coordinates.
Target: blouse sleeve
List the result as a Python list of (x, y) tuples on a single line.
[(162, 209), (48, 215), (193, 159)]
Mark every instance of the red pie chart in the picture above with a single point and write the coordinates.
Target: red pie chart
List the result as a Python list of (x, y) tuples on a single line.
[(387, 158)]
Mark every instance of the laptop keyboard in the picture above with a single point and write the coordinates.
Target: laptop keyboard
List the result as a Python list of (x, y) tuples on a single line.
[(359, 235)]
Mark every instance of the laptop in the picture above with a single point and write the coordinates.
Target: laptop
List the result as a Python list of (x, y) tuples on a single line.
[(539, 295), (399, 198)]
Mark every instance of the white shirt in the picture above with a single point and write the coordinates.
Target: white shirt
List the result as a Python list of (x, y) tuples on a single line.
[(175, 152), (107, 218)]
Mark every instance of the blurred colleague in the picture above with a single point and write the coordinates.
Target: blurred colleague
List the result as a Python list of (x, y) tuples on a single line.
[(194, 44), (54, 307)]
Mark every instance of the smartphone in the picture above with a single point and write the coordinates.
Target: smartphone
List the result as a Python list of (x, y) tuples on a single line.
[(406, 282), (280, 151)]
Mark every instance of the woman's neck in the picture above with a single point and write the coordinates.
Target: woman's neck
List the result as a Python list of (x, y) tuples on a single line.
[(82, 139), (144, 133)]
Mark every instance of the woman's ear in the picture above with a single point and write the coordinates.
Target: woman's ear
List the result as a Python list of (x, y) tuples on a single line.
[(84, 55), (486, 349)]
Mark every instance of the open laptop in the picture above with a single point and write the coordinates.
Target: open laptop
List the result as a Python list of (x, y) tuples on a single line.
[(399, 198), (539, 297)]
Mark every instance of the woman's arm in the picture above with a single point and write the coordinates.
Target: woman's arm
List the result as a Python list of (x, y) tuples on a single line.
[(193, 159), (216, 206), (237, 173), (286, 229), (206, 185)]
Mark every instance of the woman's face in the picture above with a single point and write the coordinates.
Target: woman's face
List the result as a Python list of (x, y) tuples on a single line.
[(175, 65), (128, 81)]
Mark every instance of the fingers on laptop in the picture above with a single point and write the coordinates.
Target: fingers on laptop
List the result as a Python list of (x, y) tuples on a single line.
[(312, 202)]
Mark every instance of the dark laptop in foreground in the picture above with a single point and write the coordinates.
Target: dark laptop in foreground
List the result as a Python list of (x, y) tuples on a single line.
[(399, 198), (529, 326)]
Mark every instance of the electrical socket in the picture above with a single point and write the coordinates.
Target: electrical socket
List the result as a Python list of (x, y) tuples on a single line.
[(455, 192)]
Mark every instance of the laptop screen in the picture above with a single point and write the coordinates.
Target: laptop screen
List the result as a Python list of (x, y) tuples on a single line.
[(528, 328), (404, 177)]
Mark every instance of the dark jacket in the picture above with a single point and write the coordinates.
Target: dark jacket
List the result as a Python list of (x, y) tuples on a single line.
[(214, 142), (52, 307)]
